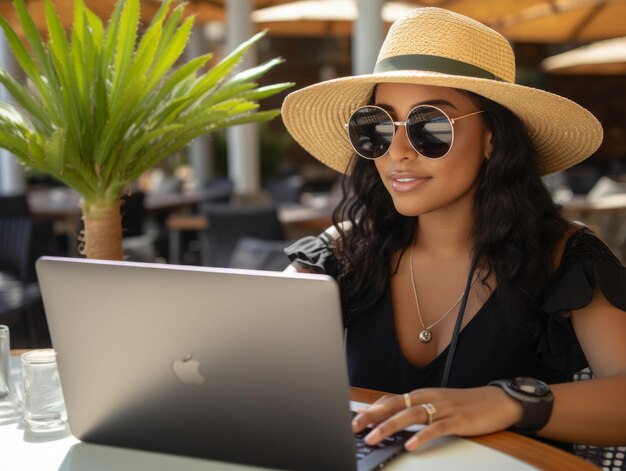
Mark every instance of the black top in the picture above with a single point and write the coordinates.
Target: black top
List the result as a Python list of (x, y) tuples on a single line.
[(489, 346)]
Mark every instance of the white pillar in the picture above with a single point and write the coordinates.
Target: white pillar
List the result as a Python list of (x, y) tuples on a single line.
[(243, 140), (367, 36), (200, 149), (12, 178)]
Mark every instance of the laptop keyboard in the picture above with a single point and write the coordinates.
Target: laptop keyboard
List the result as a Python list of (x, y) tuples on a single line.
[(363, 449)]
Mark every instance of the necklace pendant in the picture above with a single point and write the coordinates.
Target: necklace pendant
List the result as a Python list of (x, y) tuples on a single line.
[(425, 336)]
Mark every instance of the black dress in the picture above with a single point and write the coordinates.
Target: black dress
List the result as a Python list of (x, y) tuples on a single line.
[(489, 347)]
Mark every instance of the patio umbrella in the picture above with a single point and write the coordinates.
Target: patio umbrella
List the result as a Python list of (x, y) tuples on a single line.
[(564, 21), (600, 58), (319, 17), (523, 21)]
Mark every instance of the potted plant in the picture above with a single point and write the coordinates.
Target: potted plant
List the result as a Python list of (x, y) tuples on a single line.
[(103, 106)]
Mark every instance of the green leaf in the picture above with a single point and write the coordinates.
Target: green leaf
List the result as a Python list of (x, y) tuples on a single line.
[(267, 91), (227, 91), (172, 52), (170, 27), (32, 35), (220, 71), (126, 40), (54, 150), (146, 52), (35, 150), (14, 144), (20, 53), (155, 101), (96, 27), (254, 73), (111, 39), (26, 101)]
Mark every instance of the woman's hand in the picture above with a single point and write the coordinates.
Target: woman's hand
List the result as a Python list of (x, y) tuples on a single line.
[(463, 412)]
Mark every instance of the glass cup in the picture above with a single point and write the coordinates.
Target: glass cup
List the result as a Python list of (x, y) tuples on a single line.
[(5, 369), (44, 407)]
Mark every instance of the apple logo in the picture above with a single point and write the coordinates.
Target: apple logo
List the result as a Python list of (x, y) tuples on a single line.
[(187, 370)]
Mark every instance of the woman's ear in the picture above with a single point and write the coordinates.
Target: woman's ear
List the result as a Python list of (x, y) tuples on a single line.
[(488, 144)]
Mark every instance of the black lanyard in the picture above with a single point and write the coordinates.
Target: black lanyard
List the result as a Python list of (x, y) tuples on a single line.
[(457, 326)]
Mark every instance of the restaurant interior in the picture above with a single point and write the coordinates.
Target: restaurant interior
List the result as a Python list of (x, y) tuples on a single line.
[(213, 203)]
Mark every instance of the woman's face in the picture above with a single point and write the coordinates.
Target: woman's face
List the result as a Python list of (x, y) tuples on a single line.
[(419, 185)]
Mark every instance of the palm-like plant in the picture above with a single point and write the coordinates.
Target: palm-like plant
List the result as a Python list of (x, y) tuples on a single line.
[(103, 106)]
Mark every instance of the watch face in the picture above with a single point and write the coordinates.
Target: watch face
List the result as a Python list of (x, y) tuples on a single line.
[(529, 386)]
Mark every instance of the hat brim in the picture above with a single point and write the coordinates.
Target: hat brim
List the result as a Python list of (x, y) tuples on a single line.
[(563, 132)]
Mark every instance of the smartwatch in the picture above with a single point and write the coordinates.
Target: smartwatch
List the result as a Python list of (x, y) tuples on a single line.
[(536, 399)]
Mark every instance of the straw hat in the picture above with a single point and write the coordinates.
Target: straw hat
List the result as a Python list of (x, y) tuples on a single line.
[(432, 46)]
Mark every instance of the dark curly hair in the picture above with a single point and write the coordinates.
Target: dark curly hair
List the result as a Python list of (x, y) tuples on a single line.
[(517, 225)]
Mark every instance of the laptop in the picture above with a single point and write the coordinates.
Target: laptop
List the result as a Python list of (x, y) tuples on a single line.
[(232, 365)]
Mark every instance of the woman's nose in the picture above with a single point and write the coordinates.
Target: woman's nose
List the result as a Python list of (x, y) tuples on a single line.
[(400, 148)]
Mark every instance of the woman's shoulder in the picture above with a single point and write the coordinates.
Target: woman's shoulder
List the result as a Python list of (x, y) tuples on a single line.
[(586, 265), (583, 244)]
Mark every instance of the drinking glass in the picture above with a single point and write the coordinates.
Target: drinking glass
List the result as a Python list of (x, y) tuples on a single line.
[(44, 407), (5, 370)]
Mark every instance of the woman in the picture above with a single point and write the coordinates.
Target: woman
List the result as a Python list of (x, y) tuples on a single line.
[(465, 292)]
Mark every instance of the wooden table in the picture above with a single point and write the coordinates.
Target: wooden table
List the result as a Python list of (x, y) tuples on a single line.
[(526, 449)]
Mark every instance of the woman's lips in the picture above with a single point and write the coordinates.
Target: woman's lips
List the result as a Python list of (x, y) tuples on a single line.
[(403, 184)]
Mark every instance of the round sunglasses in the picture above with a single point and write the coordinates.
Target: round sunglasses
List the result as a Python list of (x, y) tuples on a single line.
[(430, 131)]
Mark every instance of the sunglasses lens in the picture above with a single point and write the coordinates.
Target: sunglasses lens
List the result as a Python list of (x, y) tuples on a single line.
[(371, 131), (429, 131)]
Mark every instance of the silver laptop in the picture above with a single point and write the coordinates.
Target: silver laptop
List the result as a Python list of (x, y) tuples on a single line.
[(233, 365)]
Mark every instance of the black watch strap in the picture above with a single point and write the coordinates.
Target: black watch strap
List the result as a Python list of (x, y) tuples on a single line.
[(535, 397)]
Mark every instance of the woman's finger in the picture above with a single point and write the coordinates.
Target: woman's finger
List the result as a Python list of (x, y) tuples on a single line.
[(382, 409), (416, 414), (435, 430)]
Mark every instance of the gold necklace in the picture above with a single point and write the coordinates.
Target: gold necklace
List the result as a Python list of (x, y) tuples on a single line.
[(425, 335)]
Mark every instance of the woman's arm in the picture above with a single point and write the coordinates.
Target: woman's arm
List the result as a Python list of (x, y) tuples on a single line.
[(594, 411)]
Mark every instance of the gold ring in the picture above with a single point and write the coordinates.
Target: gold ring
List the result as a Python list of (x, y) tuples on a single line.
[(407, 400), (430, 410)]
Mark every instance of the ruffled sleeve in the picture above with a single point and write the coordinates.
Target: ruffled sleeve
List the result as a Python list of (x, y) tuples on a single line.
[(315, 253), (587, 264)]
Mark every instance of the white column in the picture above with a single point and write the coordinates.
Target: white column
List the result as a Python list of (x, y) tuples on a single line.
[(367, 36), (12, 179), (200, 149), (242, 140)]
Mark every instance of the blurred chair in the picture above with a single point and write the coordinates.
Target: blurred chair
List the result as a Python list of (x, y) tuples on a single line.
[(41, 233), (187, 241), (581, 178), (609, 458), (259, 254), (286, 189), (218, 190), (133, 214), (137, 242), (166, 185), (14, 205), (229, 223), (19, 297)]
